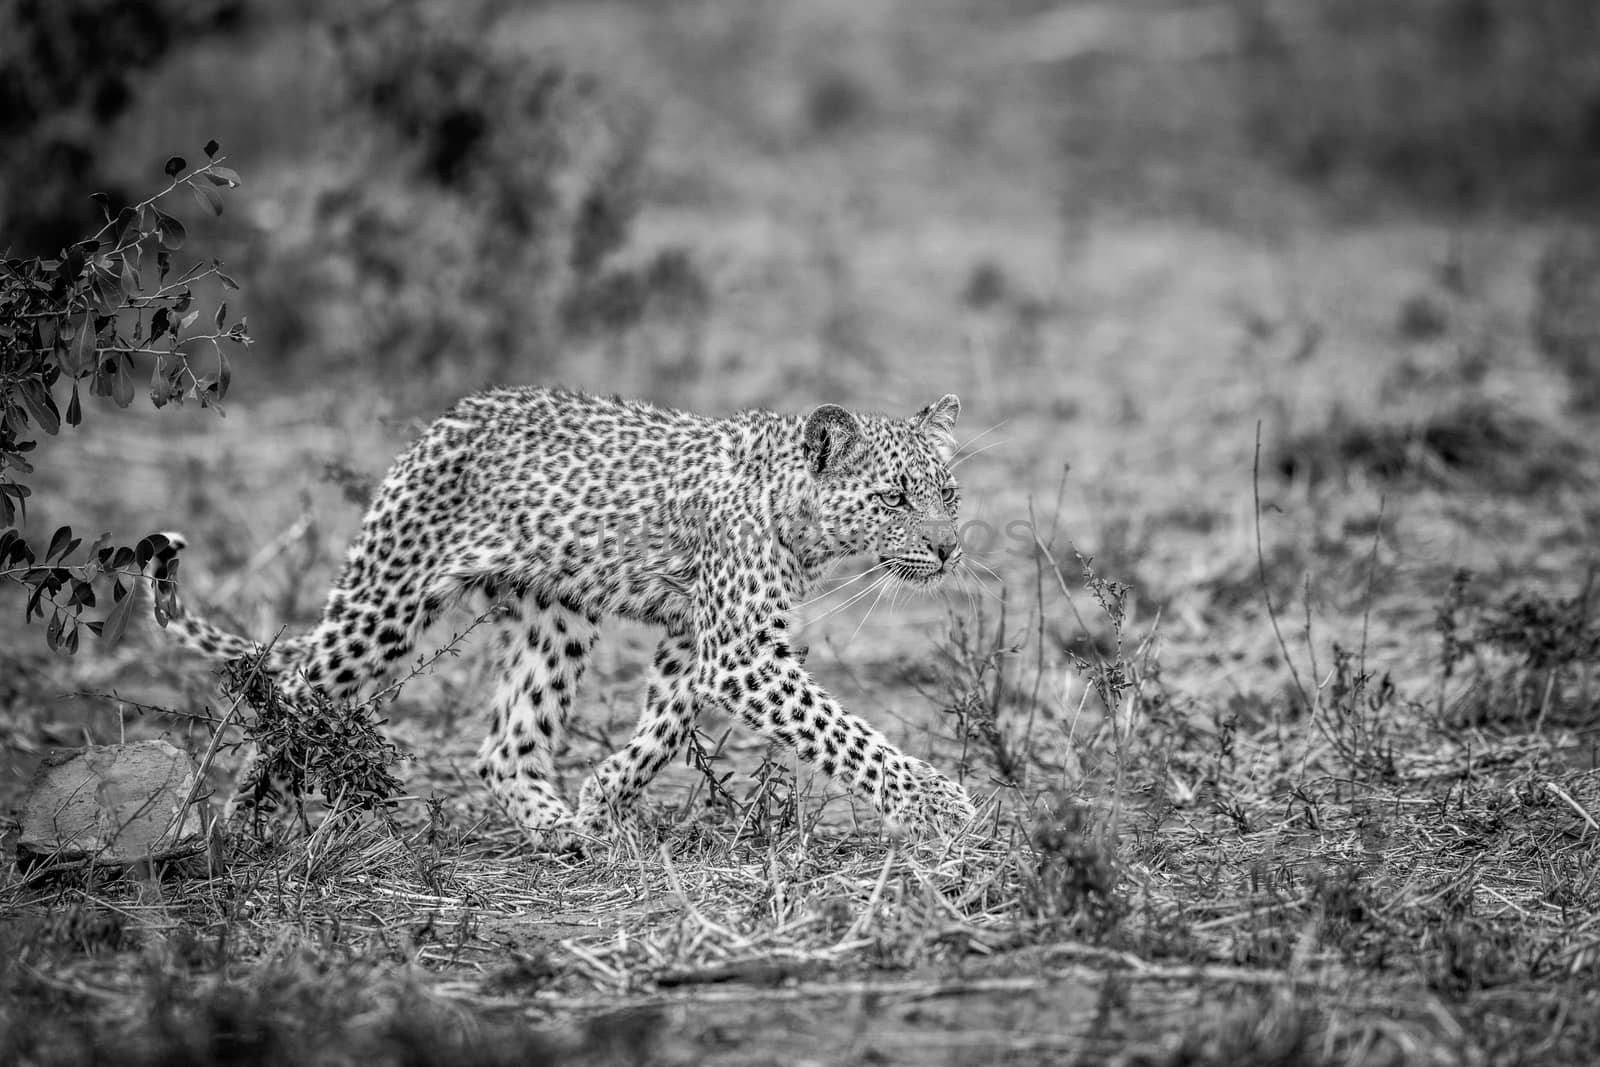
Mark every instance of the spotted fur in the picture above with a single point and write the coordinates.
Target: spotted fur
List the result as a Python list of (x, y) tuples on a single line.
[(559, 508)]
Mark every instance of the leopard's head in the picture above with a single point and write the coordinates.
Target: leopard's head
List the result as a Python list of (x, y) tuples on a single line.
[(883, 485)]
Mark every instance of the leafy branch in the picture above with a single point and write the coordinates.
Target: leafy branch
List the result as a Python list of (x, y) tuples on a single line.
[(88, 319)]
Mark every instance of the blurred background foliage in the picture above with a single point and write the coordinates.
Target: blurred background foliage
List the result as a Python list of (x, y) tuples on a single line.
[(432, 185), (421, 194)]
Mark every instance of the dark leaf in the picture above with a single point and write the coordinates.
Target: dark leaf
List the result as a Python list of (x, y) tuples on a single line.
[(105, 376), (170, 231), (160, 382), (175, 166), (32, 608), (122, 391), (58, 544), (227, 282), (211, 149), (224, 375), (83, 346), (221, 316), (10, 511), (41, 405), (224, 176), (160, 322), (164, 262), (117, 622), (74, 408), (105, 204)]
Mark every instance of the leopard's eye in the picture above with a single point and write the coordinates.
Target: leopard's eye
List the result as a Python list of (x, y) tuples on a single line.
[(948, 495), (892, 498)]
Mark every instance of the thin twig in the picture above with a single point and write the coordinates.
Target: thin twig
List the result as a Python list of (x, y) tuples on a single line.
[(1266, 593)]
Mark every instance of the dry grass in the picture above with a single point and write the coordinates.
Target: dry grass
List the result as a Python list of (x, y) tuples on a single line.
[(1360, 879)]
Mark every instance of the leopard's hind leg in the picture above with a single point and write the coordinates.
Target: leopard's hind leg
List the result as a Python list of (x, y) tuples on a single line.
[(542, 647)]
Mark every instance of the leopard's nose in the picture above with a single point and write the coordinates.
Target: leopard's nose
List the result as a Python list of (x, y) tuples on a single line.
[(946, 549)]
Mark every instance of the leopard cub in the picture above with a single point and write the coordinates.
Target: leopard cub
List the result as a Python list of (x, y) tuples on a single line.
[(557, 508)]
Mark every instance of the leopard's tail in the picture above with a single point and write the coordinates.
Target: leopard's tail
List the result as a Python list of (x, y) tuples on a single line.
[(195, 632)]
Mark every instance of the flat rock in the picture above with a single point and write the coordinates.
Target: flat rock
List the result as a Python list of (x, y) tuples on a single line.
[(111, 804)]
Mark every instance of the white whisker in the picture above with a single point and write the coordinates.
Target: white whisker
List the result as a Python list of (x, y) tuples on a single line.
[(965, 584), (975, 438), (883, 587), (839, 583), (849, 601), (973, 561), (842, 583), (959, 460), (977, 581)]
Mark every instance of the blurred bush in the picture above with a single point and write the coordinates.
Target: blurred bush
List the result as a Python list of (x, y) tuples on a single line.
[(431, 199), (1565, 321), (68, 70), (487, 193), (1455, 102)]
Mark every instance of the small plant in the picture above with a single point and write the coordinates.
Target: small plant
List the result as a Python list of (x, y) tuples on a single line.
[(977, 693), (329, 748), (1531, 653), (1074, 871), (1353, 710), (1111, 677)]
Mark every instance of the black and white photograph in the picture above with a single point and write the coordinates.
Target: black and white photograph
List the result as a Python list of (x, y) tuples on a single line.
[(704, 533)]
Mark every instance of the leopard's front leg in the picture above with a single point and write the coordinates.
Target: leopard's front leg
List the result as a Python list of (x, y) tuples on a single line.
[(762, 682)]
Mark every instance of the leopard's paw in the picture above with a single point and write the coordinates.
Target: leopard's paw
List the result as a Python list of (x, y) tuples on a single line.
[(598, 820), (928, 803)]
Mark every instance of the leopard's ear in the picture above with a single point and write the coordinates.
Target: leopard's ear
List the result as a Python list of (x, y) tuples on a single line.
[(939, 418), (832, 439)]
